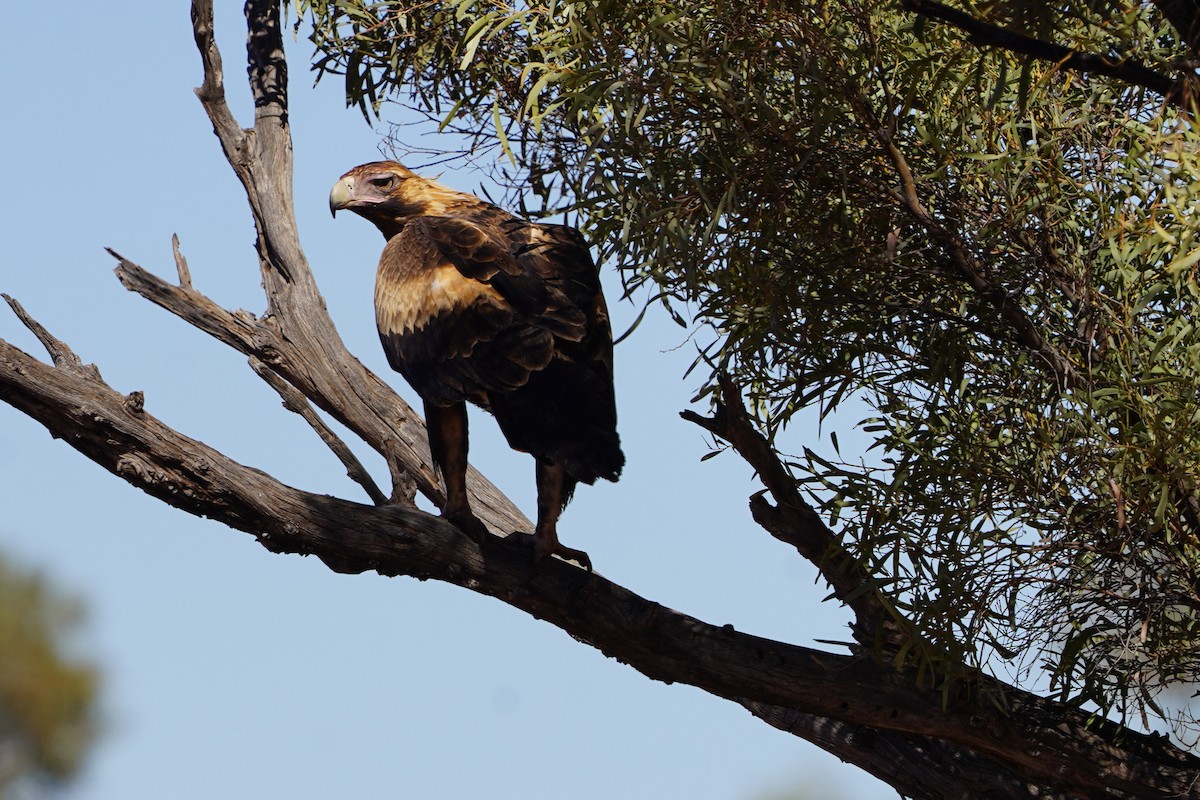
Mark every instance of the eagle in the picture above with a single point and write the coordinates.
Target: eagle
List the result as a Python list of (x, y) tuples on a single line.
[(476, 305)]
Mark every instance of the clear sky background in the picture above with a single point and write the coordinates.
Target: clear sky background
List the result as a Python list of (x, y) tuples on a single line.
[(234, 673)]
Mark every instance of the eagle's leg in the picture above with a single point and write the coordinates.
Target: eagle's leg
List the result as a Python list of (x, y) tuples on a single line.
[(447, 426), (554, 488)]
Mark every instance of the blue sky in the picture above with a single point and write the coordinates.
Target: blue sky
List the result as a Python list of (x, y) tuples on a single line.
[(231, 672)]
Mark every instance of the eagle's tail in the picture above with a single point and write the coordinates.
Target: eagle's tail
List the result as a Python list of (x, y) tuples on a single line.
[(566, 414), (597, 454)]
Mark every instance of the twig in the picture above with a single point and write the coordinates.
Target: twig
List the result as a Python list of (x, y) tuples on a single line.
[(795, 522), (404, 485), (297, 403), (238, 330), (181, 265), (62, 355)]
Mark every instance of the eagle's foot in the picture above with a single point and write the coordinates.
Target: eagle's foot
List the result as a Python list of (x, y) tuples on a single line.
[(545, 546), (469, 524)]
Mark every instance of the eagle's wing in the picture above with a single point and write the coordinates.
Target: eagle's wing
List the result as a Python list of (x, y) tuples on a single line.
[(567, 411), (559, 256), (451, 336), (543, 271), (504, 252)]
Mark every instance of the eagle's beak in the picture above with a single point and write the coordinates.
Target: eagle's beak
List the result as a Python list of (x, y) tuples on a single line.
[(341, 195)]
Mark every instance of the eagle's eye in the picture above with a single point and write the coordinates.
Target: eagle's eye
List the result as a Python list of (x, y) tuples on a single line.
[(385, 182)]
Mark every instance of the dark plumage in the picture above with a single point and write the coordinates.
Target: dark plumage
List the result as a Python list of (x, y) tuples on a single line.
[(476, 305)]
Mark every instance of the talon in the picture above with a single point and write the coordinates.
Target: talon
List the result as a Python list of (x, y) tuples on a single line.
[(543, 548)]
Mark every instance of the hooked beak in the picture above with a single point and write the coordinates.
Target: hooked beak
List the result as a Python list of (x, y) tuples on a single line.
[(341, 195)]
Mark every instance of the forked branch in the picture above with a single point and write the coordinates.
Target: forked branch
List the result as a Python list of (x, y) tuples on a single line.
[(794, 521), (1048, 744)]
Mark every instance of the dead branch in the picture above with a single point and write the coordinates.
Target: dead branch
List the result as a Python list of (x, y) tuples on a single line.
[(795, 522), (181, 265), (298, 404), (1048, 743), (62, 355)]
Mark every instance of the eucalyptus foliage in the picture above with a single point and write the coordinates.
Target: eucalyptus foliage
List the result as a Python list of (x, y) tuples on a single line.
[(846, 202)]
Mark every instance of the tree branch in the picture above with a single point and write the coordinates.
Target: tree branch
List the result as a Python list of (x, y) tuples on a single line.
[(1044, 741), (915, 766), (181, 265), (62, 355), (958, 260), (298, 404), (1177, 92), (795, 522)]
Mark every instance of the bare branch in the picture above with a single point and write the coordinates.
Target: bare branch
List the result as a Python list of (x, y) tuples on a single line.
[(239, 330), (1043, 740), (795, 522), (62, 355), (916, 766), (295, 402), (212, 91), (181, 265)]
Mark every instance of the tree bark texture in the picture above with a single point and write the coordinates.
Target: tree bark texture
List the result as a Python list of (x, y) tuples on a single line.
[(981, 738)]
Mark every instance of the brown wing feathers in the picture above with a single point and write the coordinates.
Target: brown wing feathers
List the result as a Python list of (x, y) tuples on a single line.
[(495, 252), (453, 338), (567, 411)]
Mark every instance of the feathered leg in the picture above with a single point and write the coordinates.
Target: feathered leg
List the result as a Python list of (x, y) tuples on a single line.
[(554, 488), (447, 428)]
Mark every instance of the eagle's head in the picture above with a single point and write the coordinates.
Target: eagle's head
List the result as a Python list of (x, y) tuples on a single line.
[(387, 193)]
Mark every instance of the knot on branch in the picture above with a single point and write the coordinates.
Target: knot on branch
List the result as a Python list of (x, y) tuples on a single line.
[(142, 470), (135, 402)]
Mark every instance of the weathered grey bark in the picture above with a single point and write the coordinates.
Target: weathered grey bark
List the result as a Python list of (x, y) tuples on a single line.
[(983, 739)]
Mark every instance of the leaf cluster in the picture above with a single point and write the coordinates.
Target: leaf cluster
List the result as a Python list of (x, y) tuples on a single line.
[(850, 206)]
